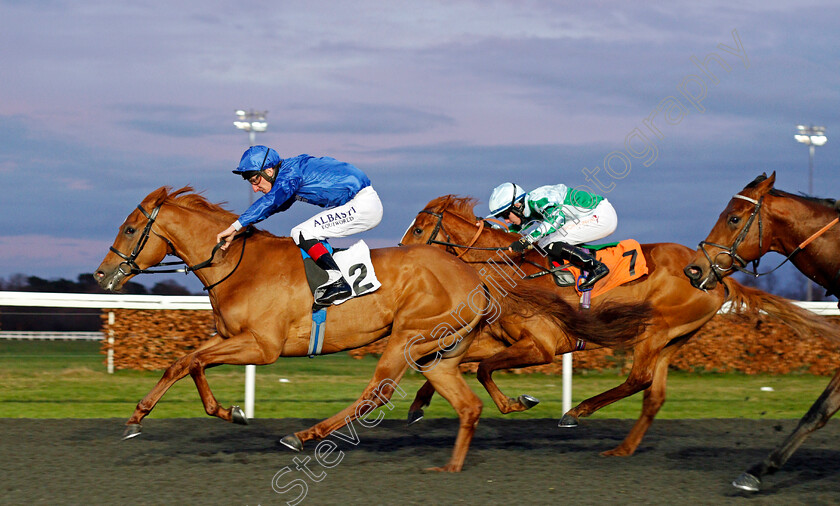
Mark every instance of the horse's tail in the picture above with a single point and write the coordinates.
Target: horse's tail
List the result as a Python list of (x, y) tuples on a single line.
[(610, 325), (748, 301)]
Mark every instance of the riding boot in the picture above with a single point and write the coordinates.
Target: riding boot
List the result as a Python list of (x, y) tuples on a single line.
[(580, 259), (336, 287)]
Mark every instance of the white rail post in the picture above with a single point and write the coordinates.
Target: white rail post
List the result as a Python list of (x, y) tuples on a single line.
[(250, 386), (567, 382), (110, 360)]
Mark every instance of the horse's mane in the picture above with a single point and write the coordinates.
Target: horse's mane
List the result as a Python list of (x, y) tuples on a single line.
[(188, 198), (462, 206), (832, 203)]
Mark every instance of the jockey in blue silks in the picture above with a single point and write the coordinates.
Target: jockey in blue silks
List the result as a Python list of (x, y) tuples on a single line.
[(351, 204)]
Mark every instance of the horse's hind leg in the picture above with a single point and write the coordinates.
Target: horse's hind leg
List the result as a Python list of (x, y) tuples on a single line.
[(173, 373), (525, 352), (825, 406), (389, 371), (241, 349), (447, 380)]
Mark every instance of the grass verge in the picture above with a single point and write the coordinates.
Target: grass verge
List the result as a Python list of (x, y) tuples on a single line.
[(62, 379)]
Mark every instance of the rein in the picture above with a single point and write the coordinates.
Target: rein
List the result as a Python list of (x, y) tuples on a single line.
[(133, 268), (732, 253), (449, 243)]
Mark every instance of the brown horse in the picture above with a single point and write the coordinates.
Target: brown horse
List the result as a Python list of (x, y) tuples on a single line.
[(679, 310), (430, 304), (805, 230)]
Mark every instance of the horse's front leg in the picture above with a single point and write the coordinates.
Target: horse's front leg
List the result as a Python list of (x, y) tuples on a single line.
[(173, 373), (654, 398), (640, 378), (525, 352), (241, 349), (825, 406), (421, 400)]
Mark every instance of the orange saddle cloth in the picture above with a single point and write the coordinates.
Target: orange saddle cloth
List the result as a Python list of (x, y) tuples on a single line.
[(625, 262)]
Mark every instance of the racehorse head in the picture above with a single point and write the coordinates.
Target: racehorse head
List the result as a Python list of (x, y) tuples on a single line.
[(156, 228), (137, 245), (740, 236), (450, 221)]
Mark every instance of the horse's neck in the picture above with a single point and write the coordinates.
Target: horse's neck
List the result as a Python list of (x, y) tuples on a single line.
[(796, 223), (489, 238), (193, 236)]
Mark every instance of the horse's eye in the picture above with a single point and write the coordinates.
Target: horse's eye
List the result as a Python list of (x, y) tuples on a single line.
[(129, 230), (418, 231), (734, 220)]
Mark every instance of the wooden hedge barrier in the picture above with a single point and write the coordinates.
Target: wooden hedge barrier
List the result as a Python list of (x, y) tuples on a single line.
[(153, 339)]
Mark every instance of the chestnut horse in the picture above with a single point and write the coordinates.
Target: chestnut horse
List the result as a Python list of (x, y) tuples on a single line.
[(805, 230), (679, 310), (430, 304)]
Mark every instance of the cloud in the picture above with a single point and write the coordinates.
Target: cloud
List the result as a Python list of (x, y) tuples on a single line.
[(358, 118)]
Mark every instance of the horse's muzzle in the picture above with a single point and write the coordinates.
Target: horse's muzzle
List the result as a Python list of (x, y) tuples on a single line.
[(109, 281), (698, 278)]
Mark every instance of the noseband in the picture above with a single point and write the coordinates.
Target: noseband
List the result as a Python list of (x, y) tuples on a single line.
[(133, 268), (731, 251)]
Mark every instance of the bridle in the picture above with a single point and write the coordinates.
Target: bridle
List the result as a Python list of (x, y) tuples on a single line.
[(131, 267), (731, 251), (448, 243)]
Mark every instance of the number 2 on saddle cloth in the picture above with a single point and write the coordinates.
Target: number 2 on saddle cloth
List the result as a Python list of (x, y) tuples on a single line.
[(624, 260)]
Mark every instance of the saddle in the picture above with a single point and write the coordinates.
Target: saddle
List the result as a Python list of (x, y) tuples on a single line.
[(624, 259)]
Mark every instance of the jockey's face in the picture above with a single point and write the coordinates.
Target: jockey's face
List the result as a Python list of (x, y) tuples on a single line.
[(259, 183), (512, 218)]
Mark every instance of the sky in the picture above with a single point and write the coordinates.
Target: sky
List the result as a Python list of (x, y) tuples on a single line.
[(667, 109)]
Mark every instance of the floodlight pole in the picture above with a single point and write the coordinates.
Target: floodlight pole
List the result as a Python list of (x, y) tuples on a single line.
[(252, 122), (811, 136)]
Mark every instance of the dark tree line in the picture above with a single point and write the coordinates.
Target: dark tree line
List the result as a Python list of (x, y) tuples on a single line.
[(67, 319), (86, 284)]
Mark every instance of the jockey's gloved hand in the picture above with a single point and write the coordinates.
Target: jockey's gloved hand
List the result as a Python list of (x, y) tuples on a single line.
[(521, 245)]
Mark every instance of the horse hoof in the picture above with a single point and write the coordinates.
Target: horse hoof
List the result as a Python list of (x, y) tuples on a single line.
[(528, 401), (415, 416), (568, 421), (237, 416), (747, 482), (132, 430), (292, 442)]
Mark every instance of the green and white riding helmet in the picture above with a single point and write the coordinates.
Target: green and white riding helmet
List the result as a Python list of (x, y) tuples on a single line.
[(503, 198)]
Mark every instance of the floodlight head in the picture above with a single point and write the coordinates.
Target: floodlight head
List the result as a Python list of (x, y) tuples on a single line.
[(810, 135), (251, 120)]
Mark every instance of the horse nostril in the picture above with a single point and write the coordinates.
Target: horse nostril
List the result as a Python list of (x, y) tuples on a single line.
[(98, 275), (692, 271)]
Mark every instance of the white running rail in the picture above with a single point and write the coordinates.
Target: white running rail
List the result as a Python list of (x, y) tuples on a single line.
[(202, 302)]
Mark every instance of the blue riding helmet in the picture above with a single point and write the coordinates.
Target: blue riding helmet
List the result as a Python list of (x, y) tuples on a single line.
[(257, 158)]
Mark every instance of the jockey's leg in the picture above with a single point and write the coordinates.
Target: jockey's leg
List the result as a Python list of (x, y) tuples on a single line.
[(362, 212), (336, 287), (565, 251)]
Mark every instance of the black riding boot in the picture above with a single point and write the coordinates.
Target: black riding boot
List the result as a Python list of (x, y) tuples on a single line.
[(578, 258), (336, 287)]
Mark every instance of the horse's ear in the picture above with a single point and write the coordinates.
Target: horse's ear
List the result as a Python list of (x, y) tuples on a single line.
[(157, 197), (764, 184)]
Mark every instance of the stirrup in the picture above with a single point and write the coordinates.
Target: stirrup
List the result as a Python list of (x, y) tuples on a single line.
[(333, 290), (594, 276)]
